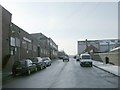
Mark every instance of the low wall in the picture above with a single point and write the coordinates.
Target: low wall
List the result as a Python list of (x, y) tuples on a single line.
[(114, 57)]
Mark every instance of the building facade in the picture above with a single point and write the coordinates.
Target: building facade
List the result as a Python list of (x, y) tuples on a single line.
[(17, 44), (22, 44), (53, 49), (43, 44), (0, 38), (47, 46), (101, 45), (5, 38)]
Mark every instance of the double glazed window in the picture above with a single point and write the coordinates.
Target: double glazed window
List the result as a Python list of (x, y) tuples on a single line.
[(17, 42), (24, 44), (29, 46), (34, 48), (14, 41)]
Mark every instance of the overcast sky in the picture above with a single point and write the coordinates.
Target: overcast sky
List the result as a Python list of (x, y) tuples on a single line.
[(67, 22)]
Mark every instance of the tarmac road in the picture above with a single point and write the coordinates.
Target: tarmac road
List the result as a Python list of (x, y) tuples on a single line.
[(65, 75)]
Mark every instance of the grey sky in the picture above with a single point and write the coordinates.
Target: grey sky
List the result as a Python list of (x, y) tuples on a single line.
[(67, 22)]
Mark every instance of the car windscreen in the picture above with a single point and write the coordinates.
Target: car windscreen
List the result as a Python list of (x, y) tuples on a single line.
[(23, 63), (44, 59), (85, 57), (34, 59)]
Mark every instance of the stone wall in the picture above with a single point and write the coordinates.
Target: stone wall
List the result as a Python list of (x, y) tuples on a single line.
[(114, 57)]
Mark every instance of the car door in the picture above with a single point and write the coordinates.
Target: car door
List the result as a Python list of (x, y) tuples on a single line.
[(31, 66), (39, 61)]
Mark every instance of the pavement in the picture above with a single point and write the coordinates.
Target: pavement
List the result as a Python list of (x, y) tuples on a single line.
[(113, 69)]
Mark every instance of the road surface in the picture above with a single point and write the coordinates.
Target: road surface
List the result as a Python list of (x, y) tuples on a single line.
[(65, 75)]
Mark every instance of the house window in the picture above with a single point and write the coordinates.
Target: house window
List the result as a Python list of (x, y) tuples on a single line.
[(112, 40), (41, 50), (34, 48), (17, 42), (29, 46), (24, 44), (12, 41)]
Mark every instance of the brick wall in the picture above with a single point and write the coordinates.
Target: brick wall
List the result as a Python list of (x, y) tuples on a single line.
[(0, 38)]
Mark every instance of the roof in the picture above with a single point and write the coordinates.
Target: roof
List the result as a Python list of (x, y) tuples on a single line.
[(115, 49), (91, 47)]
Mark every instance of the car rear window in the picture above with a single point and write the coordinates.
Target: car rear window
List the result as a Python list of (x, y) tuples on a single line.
[(20, 63), (44, 59), (85, 57)]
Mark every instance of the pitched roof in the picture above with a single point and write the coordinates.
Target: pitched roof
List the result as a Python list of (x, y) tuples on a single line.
[(91, 47)]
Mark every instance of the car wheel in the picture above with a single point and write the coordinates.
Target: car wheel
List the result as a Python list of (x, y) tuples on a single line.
[(14, 74), (81, 65), (91, 65), (36, 69), (46, 65), (29, 72), (41, 67)]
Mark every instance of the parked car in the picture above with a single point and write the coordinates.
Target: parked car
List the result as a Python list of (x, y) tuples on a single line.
[(25, 66), (74, 57), (47, 60), (61, 57), (65, 58), (85, 60), (39, 62)]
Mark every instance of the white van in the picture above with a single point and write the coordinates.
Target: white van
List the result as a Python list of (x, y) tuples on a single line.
[(85, 60)]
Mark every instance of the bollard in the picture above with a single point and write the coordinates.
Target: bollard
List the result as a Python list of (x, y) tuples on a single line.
[(106, 60)]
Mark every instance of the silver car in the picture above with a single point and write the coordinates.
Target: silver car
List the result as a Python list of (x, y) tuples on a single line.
[(39, 63), (85, 60), (47, 60)]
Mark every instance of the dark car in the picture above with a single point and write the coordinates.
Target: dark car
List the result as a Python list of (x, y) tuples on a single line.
[(65, 58), (23, 67), (61, 57), (47, 60), (39, 62)]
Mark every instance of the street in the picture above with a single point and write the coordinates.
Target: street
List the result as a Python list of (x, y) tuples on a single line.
[(65, 75)]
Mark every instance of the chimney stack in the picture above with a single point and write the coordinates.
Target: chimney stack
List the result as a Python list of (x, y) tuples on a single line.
[(86, 43)]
